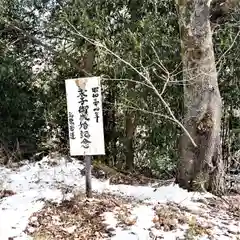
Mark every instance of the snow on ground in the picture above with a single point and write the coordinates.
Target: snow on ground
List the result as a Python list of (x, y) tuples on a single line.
[(35, 183)]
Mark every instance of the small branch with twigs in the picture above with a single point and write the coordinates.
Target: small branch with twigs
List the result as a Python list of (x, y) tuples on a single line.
[(143, 110), (146, 78), (46, 46)]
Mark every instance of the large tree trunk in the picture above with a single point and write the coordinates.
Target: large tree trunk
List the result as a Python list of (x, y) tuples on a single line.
[(201, 167)]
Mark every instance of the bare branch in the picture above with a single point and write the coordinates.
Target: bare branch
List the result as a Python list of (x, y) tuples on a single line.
[(164, 69), (100, 45), (230, 47), (49, 48), (143, 110), (129, 80)]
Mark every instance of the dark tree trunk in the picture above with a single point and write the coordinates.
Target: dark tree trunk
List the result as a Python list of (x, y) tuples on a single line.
[(130, 130), (130, 127), (226, 137), (109, 118), (201, 167)]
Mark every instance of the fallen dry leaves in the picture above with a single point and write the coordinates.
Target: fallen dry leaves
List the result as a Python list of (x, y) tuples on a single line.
[(119, 177), (229, 204), (75, 219), (81, 218), (168, 217), (6, 193)]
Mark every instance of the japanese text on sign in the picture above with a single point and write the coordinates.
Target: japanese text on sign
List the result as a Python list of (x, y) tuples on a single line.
[(84, 119), (95, 96)]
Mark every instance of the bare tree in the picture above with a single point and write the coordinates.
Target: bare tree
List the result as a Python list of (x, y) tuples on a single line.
[(201, 167)]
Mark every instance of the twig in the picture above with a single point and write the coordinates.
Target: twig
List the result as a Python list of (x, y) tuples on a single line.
[(98, 44), (126, 79), (164, 69), (48, 47), (144, 111), (230, 47)]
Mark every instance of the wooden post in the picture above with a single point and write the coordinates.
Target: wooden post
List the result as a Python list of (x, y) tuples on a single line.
[(88, 160)]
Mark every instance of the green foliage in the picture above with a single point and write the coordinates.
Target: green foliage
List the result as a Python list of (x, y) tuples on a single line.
[(163, 166), (143, 33), (21, 111), (226, 37)]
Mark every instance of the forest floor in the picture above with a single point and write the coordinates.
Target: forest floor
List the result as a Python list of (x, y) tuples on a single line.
[(45, 200)]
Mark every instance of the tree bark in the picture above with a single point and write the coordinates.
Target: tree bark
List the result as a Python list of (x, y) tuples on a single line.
[(201, 167), (130, 127), (226, 136), (109, 119)]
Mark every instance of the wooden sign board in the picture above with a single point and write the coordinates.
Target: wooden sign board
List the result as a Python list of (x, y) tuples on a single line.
[(85, 119)]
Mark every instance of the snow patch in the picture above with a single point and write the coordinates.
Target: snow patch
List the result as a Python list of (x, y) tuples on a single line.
[(56, 180)]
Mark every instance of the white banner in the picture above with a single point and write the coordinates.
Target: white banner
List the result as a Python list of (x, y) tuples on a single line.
[(85, 119)]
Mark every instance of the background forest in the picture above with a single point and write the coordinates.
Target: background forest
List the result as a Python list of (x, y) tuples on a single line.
[(41, 46)]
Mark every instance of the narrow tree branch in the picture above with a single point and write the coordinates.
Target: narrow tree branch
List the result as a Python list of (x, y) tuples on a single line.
[(143, 110), (230, 47), (49, 48), (98, 44), (129, 80)]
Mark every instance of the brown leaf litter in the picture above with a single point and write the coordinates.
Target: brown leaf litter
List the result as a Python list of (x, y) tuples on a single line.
[(123, 177), (81, 218), (220, 213), (124, 216), (229, 204), (75, 219), (168, 217), (211, 215), (130, 179), (6, 193)]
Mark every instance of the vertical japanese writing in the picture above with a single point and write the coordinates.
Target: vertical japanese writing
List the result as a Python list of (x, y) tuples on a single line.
[(84, 118), (71, 125), (95, 95)]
